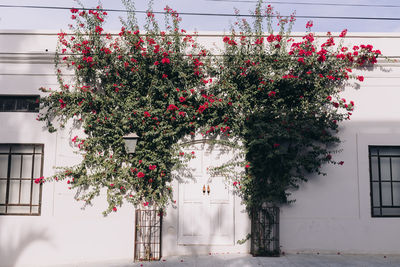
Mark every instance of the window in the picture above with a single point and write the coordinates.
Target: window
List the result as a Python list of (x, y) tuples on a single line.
[(20, 165), (19, 103), (384, 169)]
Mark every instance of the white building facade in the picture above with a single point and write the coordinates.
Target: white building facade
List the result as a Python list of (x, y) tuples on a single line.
[(354, 209)]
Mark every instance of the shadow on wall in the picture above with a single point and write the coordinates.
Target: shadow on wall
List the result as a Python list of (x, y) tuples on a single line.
[(16, 240)]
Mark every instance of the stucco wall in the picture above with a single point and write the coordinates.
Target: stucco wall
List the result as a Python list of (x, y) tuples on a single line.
[(331, 213)]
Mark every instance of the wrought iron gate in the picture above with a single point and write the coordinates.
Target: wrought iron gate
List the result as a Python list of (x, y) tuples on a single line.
[(148, 224), (265, 232)]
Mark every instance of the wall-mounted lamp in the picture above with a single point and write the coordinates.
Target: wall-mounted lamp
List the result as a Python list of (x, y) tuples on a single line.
[(130, 142)]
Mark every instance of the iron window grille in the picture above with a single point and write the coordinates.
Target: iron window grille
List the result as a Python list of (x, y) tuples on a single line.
[(148, 223), (384, 169), (20, 165), (265, 231), (19, 103)]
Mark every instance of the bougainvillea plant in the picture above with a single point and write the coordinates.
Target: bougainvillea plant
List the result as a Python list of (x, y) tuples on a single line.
[(277, 97), (284, 102), (152, 83)]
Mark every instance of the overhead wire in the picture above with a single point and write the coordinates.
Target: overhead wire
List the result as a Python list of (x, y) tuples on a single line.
[(309, 3), (206, 14)]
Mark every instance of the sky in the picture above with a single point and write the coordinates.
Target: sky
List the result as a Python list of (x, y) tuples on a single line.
[(47, 19)]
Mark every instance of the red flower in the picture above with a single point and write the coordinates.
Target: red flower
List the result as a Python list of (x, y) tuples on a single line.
[(145, 204), (247, 166), (99, 29), (156, 63), (201, 109), (272, 93), (114, 209), (147, 114), (74, 10), (172, 107), (165, 61), (301, 60), (152, 167), (276, 145), (62, 104), (182, 99), (309, 24), (39, 180), (270, 38), (164, 76), (140, 175), (321, 58), (341, 162), (226, 39), (343, 33), (360, 78)]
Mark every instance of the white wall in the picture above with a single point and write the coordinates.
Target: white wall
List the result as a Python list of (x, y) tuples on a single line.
[(63, 233), (332, 213)]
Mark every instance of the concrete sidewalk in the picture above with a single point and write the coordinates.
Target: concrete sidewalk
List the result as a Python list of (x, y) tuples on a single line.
[(243, 260)]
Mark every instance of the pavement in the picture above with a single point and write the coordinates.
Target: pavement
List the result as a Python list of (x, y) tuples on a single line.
[(244, 260)]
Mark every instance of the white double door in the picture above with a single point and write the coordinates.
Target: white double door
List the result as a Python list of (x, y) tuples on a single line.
[(206, 207)]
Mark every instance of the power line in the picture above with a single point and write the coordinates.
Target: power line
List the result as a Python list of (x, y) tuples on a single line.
[(209, 14), (309, 3)]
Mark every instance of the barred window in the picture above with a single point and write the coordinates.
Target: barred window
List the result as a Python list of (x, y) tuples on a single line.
[(384, 167), (19, 103), (20, 166)]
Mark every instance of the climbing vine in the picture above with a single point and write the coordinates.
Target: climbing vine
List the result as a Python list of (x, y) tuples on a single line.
[(276, 97), (285, 102), (152, 83)]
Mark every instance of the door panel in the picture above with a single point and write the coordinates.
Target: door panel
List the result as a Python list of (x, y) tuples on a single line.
[(205, 218)]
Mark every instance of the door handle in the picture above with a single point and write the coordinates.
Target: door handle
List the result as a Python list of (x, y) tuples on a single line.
[(208, 189), (204, 189)]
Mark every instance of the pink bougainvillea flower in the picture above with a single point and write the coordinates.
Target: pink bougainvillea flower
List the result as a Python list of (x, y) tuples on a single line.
[(165, 60), (152, 167), (172, 107), (62, 103), (182, 99), (201, 109), (140, 174), (343, 33)]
